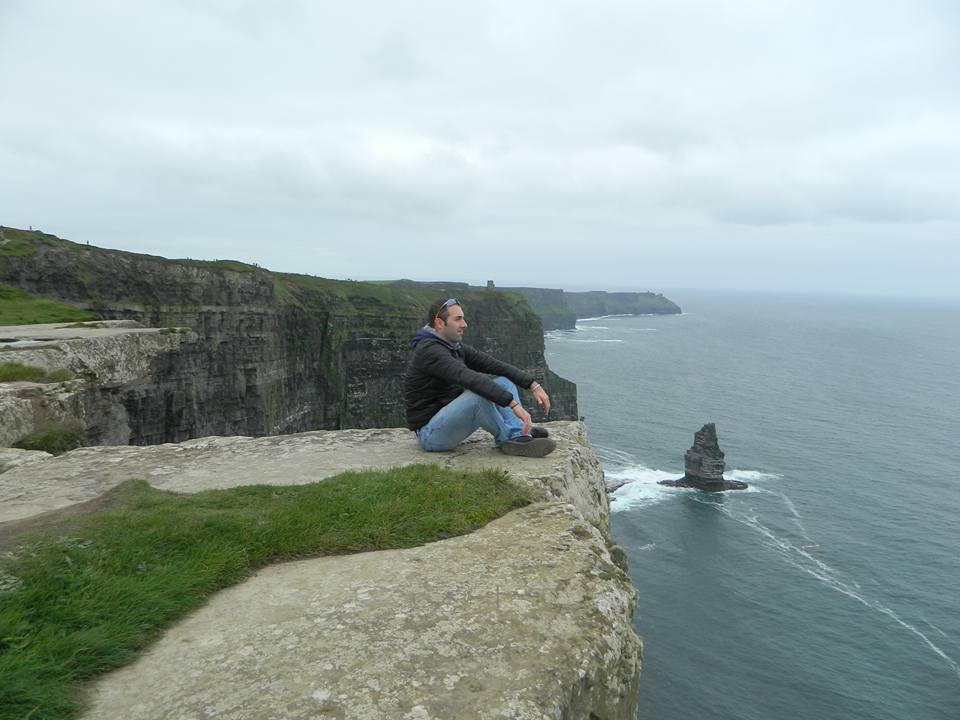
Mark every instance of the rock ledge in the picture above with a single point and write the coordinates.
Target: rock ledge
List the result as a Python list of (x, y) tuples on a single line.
[(529, 617)]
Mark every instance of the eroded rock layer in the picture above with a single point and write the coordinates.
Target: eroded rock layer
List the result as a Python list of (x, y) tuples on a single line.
[(113, 384), (276, 353)]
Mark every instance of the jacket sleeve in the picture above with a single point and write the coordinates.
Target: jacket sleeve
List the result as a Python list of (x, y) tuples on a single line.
[(480, 361), (437, 361)]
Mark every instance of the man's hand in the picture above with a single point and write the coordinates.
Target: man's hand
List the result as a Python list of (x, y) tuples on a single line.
[(540, 395), (524, 417)]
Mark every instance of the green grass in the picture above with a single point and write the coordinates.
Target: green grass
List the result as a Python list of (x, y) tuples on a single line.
[(15, 243), (235, 265), (55, 438), (21, 308), (349, 291), (87, 594), (15, 371)]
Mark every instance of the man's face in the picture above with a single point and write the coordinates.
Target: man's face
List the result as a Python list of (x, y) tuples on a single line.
[(452, 329)]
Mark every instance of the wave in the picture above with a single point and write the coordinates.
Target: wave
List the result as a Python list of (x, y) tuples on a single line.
[(830, 577), (641, 489), (751, 475), (640, 486), (797, 518), (938, 630), (613, 456), (603, 317), (582, 328), (577, 340)]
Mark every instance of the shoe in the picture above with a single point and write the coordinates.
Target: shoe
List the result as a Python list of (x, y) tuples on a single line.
[(528, 446), (537, 431)]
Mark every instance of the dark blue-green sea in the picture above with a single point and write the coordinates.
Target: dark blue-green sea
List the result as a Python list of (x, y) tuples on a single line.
[(831, 587)]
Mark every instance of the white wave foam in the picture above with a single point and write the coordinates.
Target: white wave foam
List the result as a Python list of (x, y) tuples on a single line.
[(797, 519), (800, 559), (614, 457), (592, 327), (576, 340), (604, 317), (749, 476), (941, 632), (641, 488), (750, 489)]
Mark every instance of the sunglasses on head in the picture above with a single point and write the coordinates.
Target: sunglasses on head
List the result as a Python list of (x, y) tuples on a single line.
[(448, 303)]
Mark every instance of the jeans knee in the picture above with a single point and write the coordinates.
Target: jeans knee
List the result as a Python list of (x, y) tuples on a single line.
[(505, 382), (432, 444)]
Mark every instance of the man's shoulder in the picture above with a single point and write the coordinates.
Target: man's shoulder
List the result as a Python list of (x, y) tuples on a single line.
[(435, 348), (471, 350), (430, 344)]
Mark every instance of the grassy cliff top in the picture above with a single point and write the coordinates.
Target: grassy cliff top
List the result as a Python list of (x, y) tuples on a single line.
[(102, 280), (98, 276), (17, 243), (22, 308), (82, 595)]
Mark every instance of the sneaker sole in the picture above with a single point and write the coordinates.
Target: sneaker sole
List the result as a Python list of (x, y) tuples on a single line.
[(538, 447)]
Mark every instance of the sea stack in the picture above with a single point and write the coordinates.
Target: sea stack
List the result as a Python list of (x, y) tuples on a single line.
[(704, 464)]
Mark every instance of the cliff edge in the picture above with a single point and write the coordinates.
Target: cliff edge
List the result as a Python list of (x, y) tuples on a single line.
[(560, 309), (528, 617)]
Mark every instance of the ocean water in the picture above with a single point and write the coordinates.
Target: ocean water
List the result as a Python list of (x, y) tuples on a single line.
[(831, 587)]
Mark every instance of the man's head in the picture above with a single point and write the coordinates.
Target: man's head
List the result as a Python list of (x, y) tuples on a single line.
[(446, 317)]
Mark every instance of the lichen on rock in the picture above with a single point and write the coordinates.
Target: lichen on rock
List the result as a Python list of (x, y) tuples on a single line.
[(528, 617)]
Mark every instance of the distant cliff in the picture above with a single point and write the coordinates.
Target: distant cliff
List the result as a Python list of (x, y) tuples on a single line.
[(560, 309), (277, 353)]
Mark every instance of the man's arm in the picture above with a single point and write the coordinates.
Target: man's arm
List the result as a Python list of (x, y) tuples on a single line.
[(436, 361), (478, 360)]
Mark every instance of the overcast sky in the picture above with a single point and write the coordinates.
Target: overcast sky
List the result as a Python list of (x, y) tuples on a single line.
[(749, 144)]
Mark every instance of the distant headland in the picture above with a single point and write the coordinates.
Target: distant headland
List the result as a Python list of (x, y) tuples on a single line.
[(560, 309)]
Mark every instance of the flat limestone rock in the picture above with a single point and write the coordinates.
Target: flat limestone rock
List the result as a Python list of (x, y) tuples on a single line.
[(570, 474), (527, 618), (26, 335), (107, 355), (14, 457)]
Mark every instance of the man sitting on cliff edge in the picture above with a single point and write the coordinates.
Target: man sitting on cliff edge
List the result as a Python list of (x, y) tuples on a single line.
[(450, 393)]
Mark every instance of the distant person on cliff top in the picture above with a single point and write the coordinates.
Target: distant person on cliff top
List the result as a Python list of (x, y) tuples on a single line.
[(450, 391)]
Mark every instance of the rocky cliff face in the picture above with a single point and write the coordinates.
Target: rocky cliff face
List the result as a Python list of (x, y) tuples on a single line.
[(551, 305), (275, 353), (596, 303), (111, 393)]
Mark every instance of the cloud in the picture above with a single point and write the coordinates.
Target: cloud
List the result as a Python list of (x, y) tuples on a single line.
[(540, 123)]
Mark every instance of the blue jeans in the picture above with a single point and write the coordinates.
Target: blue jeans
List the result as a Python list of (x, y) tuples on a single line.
[(457, 420)]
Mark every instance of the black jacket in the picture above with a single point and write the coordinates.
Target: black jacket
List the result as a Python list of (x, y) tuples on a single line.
[(438, 372)]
